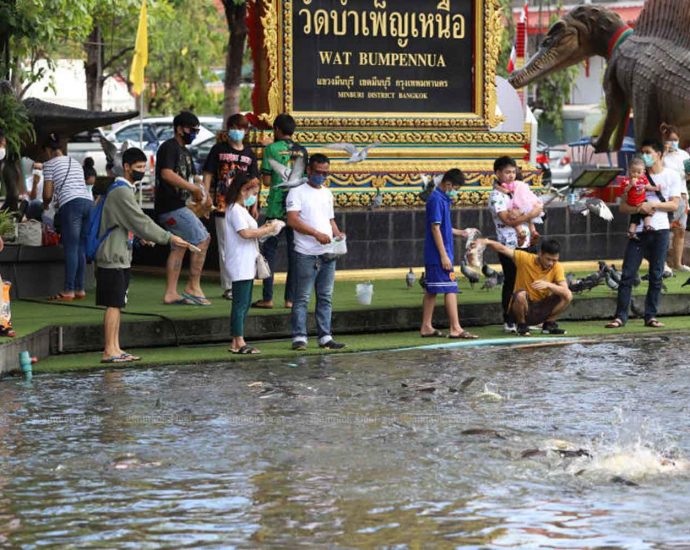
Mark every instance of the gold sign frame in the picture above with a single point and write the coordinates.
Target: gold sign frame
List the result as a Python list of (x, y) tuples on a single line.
[(276, 21)]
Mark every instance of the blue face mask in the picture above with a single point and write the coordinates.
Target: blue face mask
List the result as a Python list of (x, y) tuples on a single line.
[(648, 160), (452, 194), (250, 201), (236, 135), (317, 180)]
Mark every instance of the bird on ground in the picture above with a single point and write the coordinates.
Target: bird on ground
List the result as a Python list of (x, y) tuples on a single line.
[(570, 278), (410, 278), (595, 206), (615, 274), (490, 282), (667, 274), (500, 277), (686, 283), (488, 272), (292, 177), (377, 201), (422, 280), (471, 276), (356, 155), (610, 282)]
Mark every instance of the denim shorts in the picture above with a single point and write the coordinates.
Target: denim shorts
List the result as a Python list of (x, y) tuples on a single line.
[(184, 223)]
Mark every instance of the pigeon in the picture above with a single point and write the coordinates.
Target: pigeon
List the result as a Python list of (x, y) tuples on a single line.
[(668, 273), (292, 177), (610, 282), (356, 155), (429, 184), (686, 283), (488, 272), (410, 278), (422, 280), (570, 278), (500, 277), (490, 282), (472, 276), (615, 274), (377, 201), (595, 206)]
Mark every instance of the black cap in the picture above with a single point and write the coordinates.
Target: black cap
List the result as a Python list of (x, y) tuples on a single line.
[(186, 119)]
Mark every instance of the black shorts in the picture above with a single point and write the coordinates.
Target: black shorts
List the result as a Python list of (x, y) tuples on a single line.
[(111, 287)]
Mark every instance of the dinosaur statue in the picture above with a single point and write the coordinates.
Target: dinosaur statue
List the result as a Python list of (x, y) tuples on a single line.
[(648, 68), (49, 118)]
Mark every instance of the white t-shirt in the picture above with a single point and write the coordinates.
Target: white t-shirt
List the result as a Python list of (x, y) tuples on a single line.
[(67, 176), (669, 183), (315, 207), (676, 162), (505, 234), (240, 253)]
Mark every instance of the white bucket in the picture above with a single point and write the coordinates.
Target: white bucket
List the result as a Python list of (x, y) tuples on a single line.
[(365, 292)]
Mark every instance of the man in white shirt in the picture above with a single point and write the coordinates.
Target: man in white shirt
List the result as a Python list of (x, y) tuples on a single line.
[(310, 214), (652, 244)]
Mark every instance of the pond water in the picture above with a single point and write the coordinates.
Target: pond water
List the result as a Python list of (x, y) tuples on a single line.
[(564, 447)]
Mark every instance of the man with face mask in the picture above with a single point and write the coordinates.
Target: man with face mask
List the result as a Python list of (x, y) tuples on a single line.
[(114, 257), (500, 206), (228, 157), (174, 185), (310, 214)]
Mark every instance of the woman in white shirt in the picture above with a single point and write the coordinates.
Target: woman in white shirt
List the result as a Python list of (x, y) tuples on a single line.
[(241, 249), (675, 158)]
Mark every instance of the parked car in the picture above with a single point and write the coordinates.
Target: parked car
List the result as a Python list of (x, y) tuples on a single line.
[(561, 167), (200, 151), (88, 144), (157, 130)]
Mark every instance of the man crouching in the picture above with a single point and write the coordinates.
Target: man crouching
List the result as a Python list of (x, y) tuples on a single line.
[(541, 292)]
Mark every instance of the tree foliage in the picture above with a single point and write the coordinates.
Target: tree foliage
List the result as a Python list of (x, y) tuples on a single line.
[(507, 37)]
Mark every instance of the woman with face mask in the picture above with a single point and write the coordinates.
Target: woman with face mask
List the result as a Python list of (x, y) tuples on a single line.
[(226, 158), (241, 249), (675, 158)]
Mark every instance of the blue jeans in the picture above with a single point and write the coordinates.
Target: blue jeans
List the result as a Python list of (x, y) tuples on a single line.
[(312, 272), (268, 249), (74, 224), (653, 245)]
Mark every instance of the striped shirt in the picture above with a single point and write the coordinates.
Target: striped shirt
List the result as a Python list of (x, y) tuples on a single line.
[(66, 186)]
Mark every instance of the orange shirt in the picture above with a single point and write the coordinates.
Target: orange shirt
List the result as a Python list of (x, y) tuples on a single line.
[(529, 270)]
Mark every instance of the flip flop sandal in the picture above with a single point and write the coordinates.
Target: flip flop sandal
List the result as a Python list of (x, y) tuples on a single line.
[(130, 357), (246, 350), (260, 305), (180, 302), (435, 334), (198, 300), (653, 323), (80, 296), (116, 359), (464, 335), (60, 297), (616, 323)]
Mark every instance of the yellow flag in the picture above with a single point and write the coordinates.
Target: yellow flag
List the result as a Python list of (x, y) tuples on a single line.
[(141, 53)]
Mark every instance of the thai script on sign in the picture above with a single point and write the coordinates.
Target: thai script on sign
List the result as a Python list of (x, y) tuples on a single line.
[(381, 23)]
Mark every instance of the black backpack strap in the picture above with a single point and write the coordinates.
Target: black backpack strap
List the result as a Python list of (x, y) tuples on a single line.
[(657, 192)]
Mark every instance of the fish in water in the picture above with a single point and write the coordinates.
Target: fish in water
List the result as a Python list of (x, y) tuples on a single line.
[(129, 461), (466, 382), (623, 481), (488, 394), (483, 431)]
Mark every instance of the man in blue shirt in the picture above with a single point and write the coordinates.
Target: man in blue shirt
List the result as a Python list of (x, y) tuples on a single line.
[(438, 257)]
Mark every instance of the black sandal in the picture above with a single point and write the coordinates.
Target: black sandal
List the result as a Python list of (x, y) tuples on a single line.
[(245, 350), (653, 323)]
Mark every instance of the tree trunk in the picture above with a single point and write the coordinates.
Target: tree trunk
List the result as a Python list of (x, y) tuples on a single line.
[(93, 68), (236, 16)]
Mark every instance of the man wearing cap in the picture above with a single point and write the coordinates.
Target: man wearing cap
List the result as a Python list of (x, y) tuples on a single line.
[(174, 185)]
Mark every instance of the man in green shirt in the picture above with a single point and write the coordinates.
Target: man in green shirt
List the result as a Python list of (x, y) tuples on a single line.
[(284, 151)]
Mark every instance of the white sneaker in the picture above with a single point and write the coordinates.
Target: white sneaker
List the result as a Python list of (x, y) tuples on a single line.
[(510, 328), (684, 268)]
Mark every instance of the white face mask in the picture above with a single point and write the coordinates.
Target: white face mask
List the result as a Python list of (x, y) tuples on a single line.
[(3, 152)]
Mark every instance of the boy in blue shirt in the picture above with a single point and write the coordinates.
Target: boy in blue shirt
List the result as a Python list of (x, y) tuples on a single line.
[(438, 257)]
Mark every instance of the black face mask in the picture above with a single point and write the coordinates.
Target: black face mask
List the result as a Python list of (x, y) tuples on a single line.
[(137, 175), (188, 138)]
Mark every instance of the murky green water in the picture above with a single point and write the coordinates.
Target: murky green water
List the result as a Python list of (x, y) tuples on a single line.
[(337, 452)]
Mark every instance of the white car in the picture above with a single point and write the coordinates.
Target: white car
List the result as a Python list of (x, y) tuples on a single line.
[(561, 167), (156, 130), (88, 144)]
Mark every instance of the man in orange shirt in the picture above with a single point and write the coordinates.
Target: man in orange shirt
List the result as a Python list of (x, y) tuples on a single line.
[(541, 292)]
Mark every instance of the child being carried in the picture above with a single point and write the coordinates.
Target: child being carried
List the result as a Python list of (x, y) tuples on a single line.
[(635, 190), (524, 200)]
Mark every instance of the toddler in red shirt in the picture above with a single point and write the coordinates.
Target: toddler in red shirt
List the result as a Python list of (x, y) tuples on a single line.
[(635, 190)]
